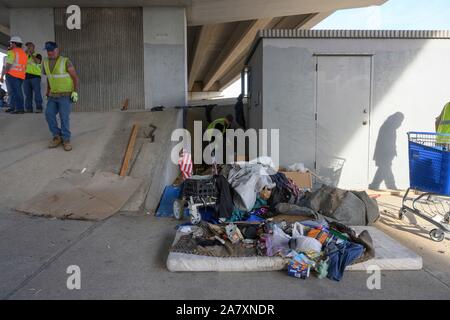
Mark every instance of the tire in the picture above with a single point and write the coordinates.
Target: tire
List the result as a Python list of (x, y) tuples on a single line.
[(178, 209), (437, 235), (401, 214)]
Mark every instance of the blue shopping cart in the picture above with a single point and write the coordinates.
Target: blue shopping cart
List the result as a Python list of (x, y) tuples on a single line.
[(429, 173)]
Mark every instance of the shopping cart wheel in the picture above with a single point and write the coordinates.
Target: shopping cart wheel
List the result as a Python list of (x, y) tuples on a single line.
[(178, 209), (437, 235), (401, 213)]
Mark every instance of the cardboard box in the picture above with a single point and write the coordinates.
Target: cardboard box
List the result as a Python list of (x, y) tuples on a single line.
[(301, 179)]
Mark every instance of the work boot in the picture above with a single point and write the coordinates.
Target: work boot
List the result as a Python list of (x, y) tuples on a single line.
[(55, 142), (67, 146)]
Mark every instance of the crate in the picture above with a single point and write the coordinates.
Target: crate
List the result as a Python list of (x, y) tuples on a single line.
[(200, 186)]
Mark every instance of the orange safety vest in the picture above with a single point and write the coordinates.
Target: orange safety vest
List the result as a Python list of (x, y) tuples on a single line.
[(19, 64)]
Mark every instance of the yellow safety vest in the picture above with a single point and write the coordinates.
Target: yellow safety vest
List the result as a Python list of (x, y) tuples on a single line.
[(444, 125), (213, 124), (59, 79), (32, 67)]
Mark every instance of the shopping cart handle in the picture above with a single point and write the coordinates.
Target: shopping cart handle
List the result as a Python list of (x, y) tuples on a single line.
[(428, 133)]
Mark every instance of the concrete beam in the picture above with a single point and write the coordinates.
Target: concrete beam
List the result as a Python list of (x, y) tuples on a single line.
[(292, 22), (233, 74), (5, 30), (236, 46), (203, 12), (198, 96), (314, 19), (197, 86), (200, 52)]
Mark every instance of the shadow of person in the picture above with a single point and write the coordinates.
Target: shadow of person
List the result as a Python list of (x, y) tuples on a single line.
[(386, 151)]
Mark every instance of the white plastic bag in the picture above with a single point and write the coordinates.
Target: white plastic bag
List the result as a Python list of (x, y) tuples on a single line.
[(300, 167), (303, 243), (277, 242)]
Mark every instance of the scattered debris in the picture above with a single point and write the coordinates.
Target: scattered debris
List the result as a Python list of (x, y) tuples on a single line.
[(158, 108), (149, 132), (125, 105)]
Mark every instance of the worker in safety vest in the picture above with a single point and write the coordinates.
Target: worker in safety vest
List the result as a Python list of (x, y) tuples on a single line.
[(443, 125), (221, 124), (62, 84), (32, 83), (14, 70)]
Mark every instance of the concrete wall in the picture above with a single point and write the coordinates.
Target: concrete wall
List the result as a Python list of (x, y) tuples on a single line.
[(165, 71), (108, 55), (35, 25), (163, 44), (408, 77)]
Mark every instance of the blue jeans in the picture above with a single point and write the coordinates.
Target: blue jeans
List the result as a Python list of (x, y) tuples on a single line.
[(63, 106), (15, 85), (341, 255), (30, 86), (8, 88)]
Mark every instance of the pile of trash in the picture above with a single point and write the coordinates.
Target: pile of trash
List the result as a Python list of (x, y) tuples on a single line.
[(250, 209)]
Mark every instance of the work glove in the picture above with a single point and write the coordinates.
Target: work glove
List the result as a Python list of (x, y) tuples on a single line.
[(74, 97)]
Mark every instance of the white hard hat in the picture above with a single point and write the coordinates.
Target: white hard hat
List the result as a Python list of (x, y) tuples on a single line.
[(16, 39)]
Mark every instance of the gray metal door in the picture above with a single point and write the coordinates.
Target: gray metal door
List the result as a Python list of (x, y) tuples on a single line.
[(343, 111)]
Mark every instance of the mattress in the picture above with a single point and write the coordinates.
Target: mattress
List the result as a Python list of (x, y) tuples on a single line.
[(389, 255)]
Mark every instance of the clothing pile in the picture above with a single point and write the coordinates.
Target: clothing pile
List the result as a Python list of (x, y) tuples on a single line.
[(260, 212)]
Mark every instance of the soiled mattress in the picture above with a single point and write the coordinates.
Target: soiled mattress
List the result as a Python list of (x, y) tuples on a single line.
[(389, 255)]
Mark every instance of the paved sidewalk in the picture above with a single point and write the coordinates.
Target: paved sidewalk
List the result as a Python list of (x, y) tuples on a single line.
[(124, 258)]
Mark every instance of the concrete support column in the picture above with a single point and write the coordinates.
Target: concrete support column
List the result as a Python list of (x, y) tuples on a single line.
[(35, 25), (165, 66)]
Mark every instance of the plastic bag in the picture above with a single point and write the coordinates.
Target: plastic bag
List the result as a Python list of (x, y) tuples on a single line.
[(301, 243), (278, 241), (300, 167)]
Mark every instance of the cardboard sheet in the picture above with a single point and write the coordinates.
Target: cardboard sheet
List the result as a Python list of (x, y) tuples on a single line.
[(82, 196), (301, 179)]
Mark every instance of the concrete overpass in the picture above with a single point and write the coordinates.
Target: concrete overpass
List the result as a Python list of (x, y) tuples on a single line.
[(212, 37)]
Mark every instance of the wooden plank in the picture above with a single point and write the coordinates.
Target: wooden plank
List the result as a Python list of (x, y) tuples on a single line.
[(129, 152)]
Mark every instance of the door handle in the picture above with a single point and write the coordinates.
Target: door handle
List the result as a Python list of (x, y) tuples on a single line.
[(364, 123)]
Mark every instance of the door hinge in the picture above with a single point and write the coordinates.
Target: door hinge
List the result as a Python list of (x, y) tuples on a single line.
[(315, 116), (317, 67), (315, 165)]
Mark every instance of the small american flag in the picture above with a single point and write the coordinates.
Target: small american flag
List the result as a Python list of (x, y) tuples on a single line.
[(185, 164)]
